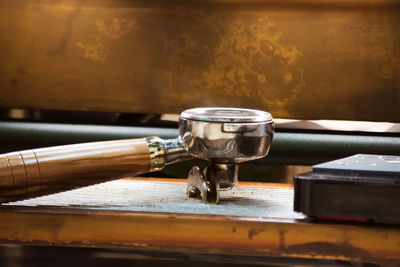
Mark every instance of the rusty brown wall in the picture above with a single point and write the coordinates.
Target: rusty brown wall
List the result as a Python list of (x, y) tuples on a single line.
[(304, 59)]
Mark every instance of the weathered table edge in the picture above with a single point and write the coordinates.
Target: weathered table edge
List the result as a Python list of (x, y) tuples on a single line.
[(220, 234)]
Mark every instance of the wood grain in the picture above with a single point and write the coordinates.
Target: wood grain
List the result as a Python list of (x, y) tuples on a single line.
[(48, 170)]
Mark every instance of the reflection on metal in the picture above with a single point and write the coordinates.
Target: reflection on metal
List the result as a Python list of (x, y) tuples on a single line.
[(225, 137), (222, 136), (206, 184), (198, 186), (306, 59)]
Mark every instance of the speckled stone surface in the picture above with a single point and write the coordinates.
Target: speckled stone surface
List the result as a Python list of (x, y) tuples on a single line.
[(163, 196)]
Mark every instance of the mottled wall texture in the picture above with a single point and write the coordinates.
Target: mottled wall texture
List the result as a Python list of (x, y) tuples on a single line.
[(304, 59)]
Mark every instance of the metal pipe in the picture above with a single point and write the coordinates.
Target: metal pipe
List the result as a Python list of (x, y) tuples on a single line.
[(297, 148), (316, 147)]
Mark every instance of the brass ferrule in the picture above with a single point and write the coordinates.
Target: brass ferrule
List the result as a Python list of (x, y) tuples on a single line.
[(157, 153)]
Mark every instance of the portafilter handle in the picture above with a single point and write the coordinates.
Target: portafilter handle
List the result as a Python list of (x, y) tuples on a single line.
[(43, 171)]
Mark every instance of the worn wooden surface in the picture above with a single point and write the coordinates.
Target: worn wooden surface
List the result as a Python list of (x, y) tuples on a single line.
[(154, 214), (305, 59), (55, 169)]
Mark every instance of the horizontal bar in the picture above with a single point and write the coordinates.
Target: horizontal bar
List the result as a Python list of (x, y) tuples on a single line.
[(311, 148), (298, 148)]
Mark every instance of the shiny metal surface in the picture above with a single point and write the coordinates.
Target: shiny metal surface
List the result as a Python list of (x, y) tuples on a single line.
[(165, 152), (226, 137), (175, 151), (226, 173), (157, 153), (207, 184), (217, 138), (198, 186), (216, 114), (226, 142)]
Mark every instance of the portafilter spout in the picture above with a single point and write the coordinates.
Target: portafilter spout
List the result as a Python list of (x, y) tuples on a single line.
[(225, 136)]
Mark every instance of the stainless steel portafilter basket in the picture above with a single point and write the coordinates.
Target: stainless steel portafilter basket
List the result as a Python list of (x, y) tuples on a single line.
[(225, 137)]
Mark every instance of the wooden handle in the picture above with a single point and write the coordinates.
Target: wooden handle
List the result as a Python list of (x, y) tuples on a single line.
[(42, 171)]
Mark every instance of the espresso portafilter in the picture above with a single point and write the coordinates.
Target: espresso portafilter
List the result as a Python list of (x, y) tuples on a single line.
[(223, 136)]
